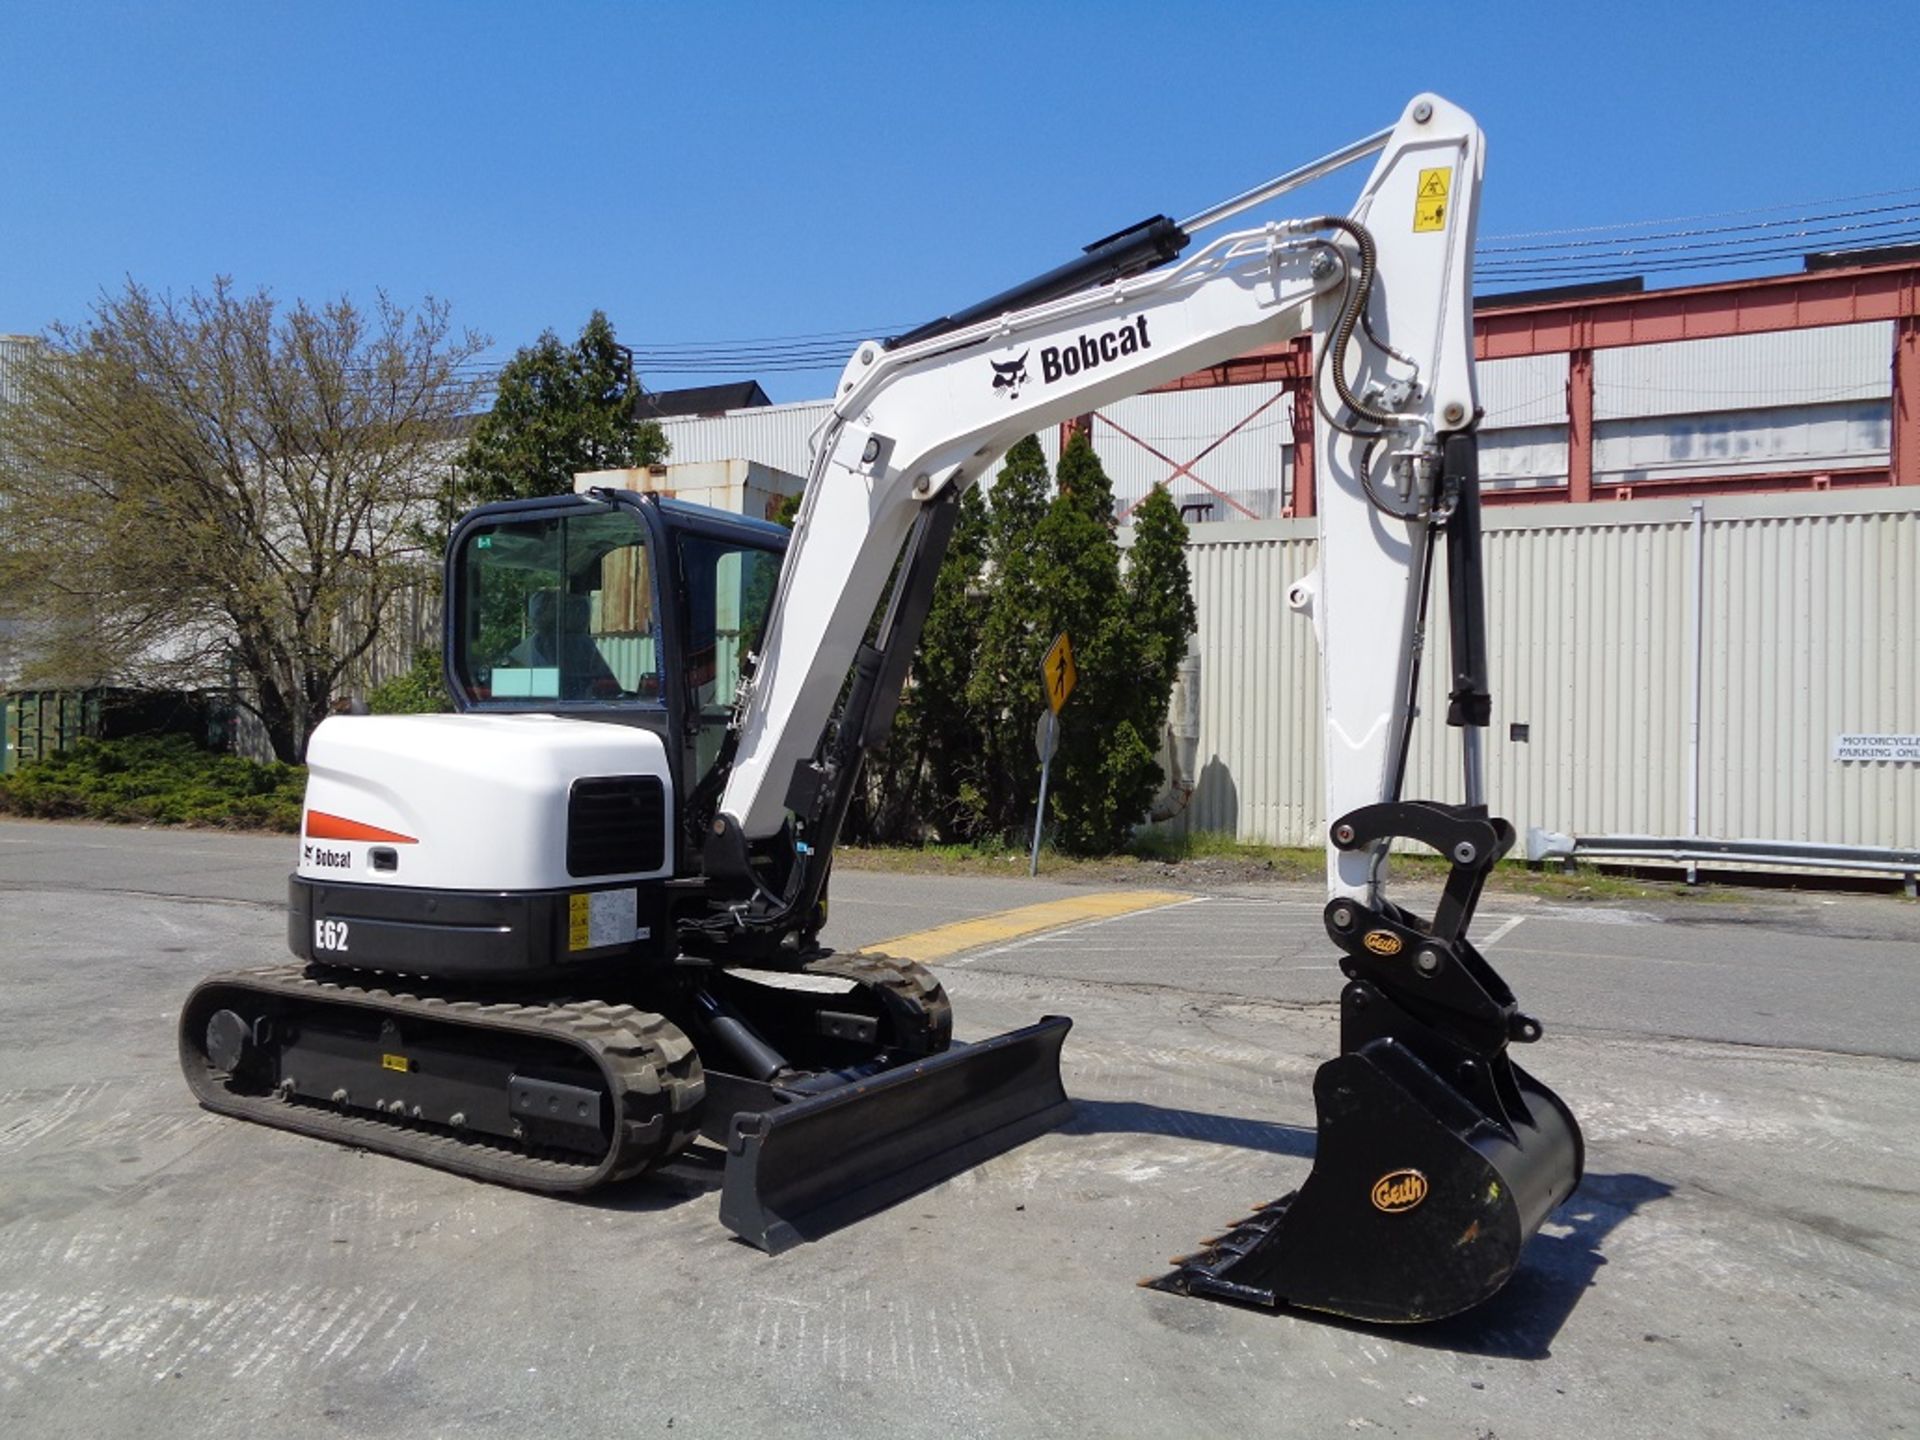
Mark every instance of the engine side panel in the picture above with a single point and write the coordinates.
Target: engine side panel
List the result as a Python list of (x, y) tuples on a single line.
[(485, 803)]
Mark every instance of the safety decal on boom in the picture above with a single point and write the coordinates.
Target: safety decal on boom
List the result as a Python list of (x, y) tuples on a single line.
[(1430, 200)]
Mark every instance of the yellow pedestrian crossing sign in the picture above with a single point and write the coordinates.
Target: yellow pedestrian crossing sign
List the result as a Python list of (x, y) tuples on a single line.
[(1059, 672)]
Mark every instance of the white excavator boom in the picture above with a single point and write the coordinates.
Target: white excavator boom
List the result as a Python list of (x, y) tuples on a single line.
[(1385, 293)]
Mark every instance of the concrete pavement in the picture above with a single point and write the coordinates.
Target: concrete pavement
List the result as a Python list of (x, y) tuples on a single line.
[(1742, 1259)]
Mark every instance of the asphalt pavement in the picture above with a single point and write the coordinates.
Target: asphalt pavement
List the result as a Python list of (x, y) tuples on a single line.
[(1741, 1260)]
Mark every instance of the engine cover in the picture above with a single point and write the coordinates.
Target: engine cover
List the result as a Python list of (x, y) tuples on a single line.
[(485, 803)]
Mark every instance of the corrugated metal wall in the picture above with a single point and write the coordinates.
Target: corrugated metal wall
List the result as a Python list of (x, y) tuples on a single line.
[(1813, 631), (1244, 475), (1848, 435), (1811, 610), (1523, 390), (774, 435), (1744, 372)]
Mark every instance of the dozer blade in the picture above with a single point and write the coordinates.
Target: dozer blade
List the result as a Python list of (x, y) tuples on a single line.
[(1418, 1204), (807, 1167)]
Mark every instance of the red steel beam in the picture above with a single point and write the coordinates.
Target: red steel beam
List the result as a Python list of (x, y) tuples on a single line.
[(1700, 312), (1580, 426), (1693, 312), (1872, 477), (1576, 328), (1282, 365), (1906, 402)]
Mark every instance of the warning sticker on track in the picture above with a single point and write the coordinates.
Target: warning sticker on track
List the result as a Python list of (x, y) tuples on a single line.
[(1430, 200)]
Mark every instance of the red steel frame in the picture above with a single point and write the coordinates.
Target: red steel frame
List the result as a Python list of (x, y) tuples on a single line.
[(1578, 327)]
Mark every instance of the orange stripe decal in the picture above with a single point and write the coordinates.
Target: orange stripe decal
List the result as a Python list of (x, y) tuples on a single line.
[(321, 826)]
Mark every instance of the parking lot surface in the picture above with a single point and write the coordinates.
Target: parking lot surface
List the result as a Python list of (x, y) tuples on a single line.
[(1742, 1259)]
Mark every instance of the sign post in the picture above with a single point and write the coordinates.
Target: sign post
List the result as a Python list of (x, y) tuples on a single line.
[(1058, 674)]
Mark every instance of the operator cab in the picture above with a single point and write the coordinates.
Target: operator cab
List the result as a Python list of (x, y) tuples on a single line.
[(613, 606)]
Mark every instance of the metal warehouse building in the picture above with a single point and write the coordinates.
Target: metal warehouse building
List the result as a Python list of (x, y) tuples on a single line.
[(1704, 554)]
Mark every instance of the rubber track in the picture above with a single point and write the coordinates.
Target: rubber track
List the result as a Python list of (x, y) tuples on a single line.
[(649, 1066), (915, 1001)]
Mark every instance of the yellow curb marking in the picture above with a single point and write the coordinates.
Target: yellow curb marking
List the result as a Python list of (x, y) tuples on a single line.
[(943, 941)]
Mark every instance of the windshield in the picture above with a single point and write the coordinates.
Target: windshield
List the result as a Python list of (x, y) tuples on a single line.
[(560, 607)]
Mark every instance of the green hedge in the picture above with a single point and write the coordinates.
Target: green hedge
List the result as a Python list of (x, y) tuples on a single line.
[(163, 780)]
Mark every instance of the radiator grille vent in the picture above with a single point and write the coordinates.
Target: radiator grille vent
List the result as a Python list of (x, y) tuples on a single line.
[(616, 824)]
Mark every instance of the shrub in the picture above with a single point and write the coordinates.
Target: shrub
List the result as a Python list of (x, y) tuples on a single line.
[(164, 780), (421, 691)]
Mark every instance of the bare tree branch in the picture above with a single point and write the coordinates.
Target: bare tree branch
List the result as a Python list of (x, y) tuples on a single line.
[(217, 482)]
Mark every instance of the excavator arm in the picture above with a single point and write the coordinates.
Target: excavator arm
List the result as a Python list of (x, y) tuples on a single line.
[(1438, 1157), (1384, 291)]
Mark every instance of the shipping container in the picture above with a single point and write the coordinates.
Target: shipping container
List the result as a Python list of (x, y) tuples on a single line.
[(38, 723)]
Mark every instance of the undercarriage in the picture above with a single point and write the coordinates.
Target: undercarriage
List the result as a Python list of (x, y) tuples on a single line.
[(832, 1082)]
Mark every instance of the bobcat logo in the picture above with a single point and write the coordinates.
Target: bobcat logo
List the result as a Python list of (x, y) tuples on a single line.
[(1011, 375)]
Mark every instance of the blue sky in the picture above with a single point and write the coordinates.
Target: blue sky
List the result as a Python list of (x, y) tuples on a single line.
[(717, 172)]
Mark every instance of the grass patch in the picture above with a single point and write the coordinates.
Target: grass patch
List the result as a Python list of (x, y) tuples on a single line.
[(163, 780), (1204, 858), (1209, 849)]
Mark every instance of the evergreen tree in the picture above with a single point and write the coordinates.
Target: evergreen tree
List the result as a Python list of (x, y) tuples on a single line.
[(960, 762), (1004, 692), (560, 409), (931, 774), (1104, 773), (1160, 595), (1159, 601)]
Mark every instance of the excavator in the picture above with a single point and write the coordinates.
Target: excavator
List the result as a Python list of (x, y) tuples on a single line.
[(557, 937)]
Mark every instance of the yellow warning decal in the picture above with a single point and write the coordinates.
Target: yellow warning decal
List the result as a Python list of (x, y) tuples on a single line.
[(579, 922), (1430, 200), (396, 1062)]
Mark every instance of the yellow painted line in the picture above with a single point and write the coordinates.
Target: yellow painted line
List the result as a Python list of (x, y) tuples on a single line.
[(946, 940)]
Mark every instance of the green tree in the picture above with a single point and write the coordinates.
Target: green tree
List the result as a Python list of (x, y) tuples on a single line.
[(933, 759), (419, 690), (560, 409), (1104, 772), (1161, 612), (222, 487), (1003, 692)]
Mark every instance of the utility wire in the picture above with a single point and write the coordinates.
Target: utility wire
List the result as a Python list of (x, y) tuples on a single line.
[(1716, 240)]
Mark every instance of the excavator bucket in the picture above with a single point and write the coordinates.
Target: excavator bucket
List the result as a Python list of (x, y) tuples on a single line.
[(815, 1162), (1438, 1157), (1418, 1204)]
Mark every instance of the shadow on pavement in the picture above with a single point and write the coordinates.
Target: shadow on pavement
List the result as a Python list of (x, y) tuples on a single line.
[(1520, 1323), (1557, 1267), (1130, 1117), (692, 1174)]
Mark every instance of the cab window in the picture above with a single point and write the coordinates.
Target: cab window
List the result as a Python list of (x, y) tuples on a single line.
[(728, 595), (558, 608)]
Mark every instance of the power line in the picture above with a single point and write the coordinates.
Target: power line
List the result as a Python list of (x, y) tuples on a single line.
[(1593, 252), (1711, 215)]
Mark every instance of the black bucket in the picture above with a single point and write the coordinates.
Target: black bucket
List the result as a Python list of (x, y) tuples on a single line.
[(1419, 1203), (810, 1166)]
